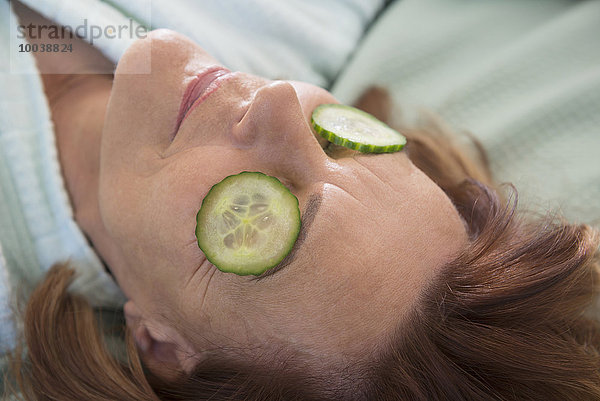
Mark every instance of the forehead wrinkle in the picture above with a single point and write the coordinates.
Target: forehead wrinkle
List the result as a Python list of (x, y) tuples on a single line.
[(308, 216)]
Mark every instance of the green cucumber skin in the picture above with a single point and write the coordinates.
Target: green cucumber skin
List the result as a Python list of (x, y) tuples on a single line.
[(361, 147), (212, 258)]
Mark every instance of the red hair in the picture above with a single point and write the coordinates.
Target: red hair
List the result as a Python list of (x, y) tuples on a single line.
[(508, 319)]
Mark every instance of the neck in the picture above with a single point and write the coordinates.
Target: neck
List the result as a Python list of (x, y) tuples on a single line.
[(78, 104)]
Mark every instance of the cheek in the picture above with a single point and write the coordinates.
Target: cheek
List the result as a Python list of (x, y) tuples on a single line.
[(132, 217), (153, 228), (144, 107), (114, 200), (167, 214)]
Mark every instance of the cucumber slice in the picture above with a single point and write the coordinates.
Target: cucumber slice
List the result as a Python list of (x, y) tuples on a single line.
[(355, 129), (248, 223)]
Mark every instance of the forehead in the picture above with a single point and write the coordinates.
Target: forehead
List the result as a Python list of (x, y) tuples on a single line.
[(398, 226), (365, 260)]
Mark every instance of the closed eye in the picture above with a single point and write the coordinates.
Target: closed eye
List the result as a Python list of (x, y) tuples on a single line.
[(337, 152)]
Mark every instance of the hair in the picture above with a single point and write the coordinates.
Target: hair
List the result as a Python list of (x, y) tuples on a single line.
[(507, 319)]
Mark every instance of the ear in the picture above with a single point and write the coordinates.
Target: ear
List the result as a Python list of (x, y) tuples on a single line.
[(162, 348)]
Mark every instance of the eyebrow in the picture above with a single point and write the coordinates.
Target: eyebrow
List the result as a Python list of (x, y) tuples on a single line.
[(310, 211)]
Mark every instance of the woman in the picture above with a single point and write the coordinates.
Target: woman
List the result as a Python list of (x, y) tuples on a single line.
[(412, 277)]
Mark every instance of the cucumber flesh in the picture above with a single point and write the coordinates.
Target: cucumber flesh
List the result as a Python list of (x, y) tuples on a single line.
[(355, 129), (248, 223)]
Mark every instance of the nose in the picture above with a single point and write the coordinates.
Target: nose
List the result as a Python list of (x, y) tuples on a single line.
[(276, 129)]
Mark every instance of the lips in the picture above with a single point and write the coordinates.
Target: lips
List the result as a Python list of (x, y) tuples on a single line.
[(200, 87)]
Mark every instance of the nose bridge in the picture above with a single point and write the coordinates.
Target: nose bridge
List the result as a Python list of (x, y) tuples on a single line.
[(275, 128), (273, 110)]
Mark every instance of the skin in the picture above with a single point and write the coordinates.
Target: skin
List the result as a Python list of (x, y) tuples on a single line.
[(381, 231)]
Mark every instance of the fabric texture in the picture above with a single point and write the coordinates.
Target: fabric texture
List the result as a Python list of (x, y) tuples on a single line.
[(37, 228), (523, 76), (267, 37), (305, 40)]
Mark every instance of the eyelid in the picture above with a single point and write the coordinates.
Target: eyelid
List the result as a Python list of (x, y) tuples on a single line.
[(310, 211), (338, 152)]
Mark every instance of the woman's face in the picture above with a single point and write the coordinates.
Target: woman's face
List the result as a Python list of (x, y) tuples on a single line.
[(375, 229)]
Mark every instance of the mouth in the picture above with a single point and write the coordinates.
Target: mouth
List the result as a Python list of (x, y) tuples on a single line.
[(200, 88)]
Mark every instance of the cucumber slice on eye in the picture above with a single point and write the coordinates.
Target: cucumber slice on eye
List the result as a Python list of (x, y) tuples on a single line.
[(355, 129), (248, 223)]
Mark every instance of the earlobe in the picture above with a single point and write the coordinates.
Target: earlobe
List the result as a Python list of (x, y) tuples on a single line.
[(165, 352), (140, 335)]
